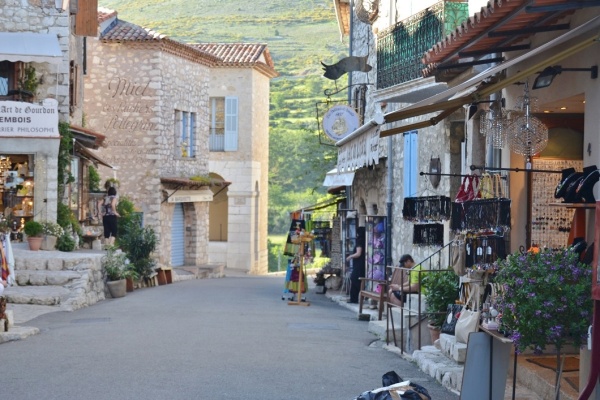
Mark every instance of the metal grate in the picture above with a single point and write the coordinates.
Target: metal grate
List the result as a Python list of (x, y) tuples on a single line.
[(401, 47)]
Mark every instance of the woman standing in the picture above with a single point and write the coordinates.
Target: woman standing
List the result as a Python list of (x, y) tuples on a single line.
[(358, 265), (109, 220)]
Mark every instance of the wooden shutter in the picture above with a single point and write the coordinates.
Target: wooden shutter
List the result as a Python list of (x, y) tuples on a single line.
[(86, 19), (231, 123), (411, 158)]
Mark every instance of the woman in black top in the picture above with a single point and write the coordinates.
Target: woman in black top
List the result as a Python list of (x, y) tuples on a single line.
[(109, 220), (358, 265)]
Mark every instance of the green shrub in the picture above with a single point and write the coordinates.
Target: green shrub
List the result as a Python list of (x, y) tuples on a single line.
[(33, 229), (93, 179), (139, 243), (441, 289), (65, 243)]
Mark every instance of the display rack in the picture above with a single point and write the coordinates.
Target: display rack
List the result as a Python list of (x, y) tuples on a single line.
[(301, 239), (375, 250)]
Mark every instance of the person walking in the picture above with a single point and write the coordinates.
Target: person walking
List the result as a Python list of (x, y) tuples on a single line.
[(109, 219)]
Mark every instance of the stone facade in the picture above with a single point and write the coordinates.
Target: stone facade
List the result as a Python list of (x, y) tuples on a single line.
[(370, 186), (132, 92), (41, 17), (246, 169)]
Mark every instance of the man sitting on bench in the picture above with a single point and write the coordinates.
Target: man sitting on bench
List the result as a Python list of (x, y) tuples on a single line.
[(397, 294)]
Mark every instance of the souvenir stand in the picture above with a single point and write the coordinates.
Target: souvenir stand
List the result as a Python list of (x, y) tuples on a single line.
[(298, 282)]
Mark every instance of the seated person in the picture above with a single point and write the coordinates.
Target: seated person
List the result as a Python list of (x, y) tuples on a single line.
[(397, 294)]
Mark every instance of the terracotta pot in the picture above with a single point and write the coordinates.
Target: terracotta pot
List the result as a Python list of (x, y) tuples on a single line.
[(434, 331), (35, 243), (129, 282)]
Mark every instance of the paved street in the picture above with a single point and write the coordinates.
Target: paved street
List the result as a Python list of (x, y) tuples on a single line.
[(231, 338)]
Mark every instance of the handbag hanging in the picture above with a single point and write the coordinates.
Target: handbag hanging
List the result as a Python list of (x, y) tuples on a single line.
[(426, 209), (467, 322), (469, 189), (458, 255), (452, 315), (428, 234)]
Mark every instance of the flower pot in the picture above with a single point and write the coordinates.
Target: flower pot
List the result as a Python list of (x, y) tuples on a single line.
[(129, 284), (434, 331), (48, 242), (34, 243), (117, 288)]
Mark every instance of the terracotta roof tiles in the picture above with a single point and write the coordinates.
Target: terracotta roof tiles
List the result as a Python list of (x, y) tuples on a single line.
[(473, 33)]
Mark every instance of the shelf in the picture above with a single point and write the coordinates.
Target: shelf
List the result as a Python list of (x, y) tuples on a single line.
[(589, 206)]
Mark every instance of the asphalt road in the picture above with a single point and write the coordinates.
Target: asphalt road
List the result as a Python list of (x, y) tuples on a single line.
[(230, 338)]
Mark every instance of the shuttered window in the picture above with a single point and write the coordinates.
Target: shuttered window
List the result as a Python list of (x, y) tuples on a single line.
[(86, 19), (411, 158), (231, 123)]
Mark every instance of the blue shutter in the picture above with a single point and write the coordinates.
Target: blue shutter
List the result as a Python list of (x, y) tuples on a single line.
[(411, 158), (178, 236), (231, 123), (192, 134)]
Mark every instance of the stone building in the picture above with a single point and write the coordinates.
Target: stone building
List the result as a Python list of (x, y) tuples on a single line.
[(40, 50), (239, 153), (187, 130)]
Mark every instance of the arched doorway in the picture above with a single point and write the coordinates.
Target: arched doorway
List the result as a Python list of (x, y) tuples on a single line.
[(218, 213)]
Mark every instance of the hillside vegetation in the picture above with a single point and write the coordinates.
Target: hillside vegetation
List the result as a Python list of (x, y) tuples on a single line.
[(299, 36)]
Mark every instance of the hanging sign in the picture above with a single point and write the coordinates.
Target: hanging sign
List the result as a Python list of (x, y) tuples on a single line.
[(339, 121), (21, 119), (189, 196)]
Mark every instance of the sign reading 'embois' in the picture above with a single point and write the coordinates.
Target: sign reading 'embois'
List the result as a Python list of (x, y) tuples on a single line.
[(18, 119)]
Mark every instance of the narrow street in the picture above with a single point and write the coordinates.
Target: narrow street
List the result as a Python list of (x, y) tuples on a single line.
[(231, 338)]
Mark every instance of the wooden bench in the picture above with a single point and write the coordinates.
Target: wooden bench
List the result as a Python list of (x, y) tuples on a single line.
[(381, 297)]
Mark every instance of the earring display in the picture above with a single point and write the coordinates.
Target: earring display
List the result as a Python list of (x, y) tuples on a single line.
[(550, 226)]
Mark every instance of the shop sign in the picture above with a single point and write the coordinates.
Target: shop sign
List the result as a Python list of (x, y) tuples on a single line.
[(19, 119), (360, 151), (339, 121), (189, 196)]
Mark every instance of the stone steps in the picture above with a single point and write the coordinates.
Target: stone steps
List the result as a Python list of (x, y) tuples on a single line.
[(39, 295)]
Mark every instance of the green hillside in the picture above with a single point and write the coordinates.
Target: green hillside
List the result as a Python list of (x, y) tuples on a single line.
[(299, 36)]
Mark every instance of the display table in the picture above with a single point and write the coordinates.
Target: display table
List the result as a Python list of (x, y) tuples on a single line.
[(486, 366)]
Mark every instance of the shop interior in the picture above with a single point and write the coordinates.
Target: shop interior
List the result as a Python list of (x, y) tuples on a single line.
[(17, 189)]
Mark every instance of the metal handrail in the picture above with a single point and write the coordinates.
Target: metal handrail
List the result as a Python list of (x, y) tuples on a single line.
[(419, 313)]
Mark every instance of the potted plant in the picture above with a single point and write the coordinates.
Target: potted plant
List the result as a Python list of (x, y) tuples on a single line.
[(138, 243), (546, 301), (35, 232), (440, 289), (114, 264), (52, 232)]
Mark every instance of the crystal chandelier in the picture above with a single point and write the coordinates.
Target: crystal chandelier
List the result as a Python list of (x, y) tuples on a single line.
[(527, 135), (493, 124)]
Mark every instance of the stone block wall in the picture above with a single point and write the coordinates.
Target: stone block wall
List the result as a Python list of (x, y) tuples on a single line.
[(131, 95), (41, 16)]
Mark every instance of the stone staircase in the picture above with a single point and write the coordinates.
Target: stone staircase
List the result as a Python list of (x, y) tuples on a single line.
[(67, 281), (48, 281)]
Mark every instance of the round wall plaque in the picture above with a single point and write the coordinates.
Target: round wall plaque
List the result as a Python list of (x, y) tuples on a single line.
[(339, 121)]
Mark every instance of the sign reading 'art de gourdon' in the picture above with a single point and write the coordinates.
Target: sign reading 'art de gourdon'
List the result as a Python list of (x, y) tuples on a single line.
[(19, 119), (339, 121)]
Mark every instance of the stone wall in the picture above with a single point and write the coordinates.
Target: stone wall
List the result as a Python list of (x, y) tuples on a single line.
[(246, 168), (41, 16), (131, 95)]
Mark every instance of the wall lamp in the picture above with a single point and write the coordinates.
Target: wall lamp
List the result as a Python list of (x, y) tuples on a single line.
[(544, 79)]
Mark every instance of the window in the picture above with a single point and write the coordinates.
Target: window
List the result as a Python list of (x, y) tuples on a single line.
[(223, 124), (411, 160), (7, 77), (185, 129)]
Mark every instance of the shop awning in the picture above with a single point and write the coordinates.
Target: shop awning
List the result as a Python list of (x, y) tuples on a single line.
[(91, 156), (322, 204), (30, 47), (336, 178), (586, 35)]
